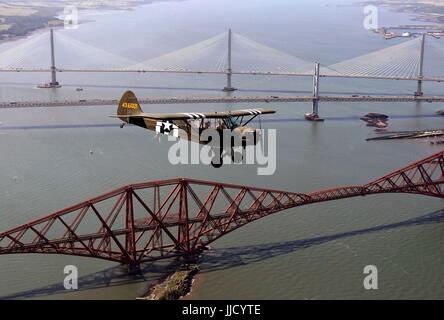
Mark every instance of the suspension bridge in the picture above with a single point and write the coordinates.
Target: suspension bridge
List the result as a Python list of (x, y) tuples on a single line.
[(229, 54), (157, 220)]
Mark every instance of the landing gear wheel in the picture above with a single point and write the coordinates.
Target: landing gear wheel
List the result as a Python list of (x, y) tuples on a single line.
[(218, 165)]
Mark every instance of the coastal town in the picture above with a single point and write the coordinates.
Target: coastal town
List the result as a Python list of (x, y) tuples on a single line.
[(427, 18), (423, 10)]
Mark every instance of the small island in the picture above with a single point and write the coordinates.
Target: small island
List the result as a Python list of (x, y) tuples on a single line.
[(175, 286)]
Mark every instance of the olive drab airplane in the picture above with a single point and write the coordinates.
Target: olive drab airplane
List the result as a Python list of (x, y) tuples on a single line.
[(189, 125)]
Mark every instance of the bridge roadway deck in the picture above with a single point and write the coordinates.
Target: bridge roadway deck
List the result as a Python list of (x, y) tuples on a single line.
[(208, 100), (330, 74)]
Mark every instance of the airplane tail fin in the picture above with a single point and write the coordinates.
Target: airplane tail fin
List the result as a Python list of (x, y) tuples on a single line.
[(128, 106)]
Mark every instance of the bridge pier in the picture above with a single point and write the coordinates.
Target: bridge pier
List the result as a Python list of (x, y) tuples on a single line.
[(229, 87), (419, 92), (314, 115), (133, 268), (190, 258)]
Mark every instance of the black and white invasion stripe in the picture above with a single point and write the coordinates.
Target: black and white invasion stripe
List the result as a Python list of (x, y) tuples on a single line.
[(195, 115), (253, 112)]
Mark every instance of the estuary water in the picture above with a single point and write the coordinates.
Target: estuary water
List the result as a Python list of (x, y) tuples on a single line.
[(54, 157)]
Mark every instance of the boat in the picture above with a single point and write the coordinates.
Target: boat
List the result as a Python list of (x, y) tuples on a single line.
[(44, 86), (47, 85), (375, 116), (313, 117), (377, 120), (380, 124)]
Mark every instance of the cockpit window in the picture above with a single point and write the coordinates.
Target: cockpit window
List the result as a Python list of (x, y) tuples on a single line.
[(234, 123)]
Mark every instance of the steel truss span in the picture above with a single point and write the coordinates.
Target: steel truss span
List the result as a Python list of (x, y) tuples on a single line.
[(156, 220)]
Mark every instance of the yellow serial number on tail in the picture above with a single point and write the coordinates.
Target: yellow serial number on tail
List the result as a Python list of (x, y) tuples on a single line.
[(128, 105)]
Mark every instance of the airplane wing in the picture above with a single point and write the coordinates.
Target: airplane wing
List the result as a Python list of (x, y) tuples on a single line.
[(250, 112), (200, 115)]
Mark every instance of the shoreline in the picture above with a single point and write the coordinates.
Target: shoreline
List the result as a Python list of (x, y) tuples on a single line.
[(419, 12), (60, 23), (197, 281)]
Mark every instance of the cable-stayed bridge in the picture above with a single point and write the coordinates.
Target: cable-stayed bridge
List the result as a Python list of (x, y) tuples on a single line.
[(231, 54)]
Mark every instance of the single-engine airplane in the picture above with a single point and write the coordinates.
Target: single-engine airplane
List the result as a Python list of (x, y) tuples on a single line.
[(190, 125)]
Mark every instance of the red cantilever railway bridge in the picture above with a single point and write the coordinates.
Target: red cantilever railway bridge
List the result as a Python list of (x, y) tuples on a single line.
[(162, 219)]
